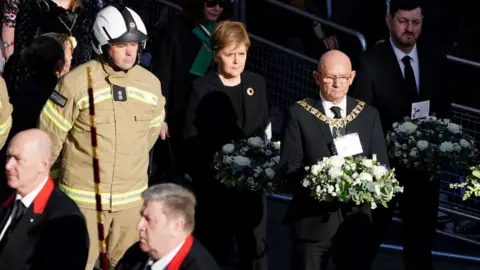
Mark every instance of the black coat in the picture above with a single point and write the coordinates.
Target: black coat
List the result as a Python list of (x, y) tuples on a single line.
[(52, 234), (173, 56), (211, 120), (380, 83), (197, 259), (308, 140)]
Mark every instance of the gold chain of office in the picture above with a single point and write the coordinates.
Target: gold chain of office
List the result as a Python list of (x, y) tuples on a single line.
[(338, 123)]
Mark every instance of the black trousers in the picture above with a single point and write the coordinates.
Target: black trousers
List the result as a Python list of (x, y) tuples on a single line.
[(349, 247), (225, 216), (419, 209)]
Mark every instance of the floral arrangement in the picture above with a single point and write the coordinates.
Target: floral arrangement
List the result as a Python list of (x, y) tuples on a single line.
[(471, 185), (359, 180), (430, 144), (248, 164)]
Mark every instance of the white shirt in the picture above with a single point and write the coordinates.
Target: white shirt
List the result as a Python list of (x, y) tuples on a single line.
[(327, 105), (413, 61), (27, 201), (163, 262)]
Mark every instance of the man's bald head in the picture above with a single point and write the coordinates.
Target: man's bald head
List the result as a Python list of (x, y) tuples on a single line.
[(36, 143), (334, 76), (332, 58), (29, 157)]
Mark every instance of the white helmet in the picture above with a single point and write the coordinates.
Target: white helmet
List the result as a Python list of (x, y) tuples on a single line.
[(117, 23)]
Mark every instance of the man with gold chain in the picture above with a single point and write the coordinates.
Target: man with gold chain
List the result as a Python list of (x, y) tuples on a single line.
[(129, 118), (332, 124)]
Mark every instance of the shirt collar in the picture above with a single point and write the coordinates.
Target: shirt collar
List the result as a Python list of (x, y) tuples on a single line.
[(328, 104), (28, 200), (399, 54), (163, 262)]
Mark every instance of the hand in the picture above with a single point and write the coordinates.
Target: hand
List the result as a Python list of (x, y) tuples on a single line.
[(331, 43), (164, 131)]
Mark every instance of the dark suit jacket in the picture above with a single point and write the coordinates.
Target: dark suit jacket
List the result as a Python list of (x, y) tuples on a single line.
[(173, 56), (197, 259), (308, 140), (52, 234), (211, 120), (380, 83)]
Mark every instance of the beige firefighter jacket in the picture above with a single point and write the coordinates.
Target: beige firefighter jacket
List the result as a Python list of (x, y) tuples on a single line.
[(5, 113), (129, 110)]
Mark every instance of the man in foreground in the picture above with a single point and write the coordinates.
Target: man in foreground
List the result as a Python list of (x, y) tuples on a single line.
[(319, 229), (166, 240), (41, 228)]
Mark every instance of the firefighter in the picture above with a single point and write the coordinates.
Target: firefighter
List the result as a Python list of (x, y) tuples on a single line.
[(5, 113), (129, 118)]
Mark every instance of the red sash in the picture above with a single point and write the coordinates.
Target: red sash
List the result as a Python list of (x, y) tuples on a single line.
[(181, 254)]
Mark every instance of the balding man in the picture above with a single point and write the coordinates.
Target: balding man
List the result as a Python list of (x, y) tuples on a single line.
[(41, 228), (317, 227), (166, 241)]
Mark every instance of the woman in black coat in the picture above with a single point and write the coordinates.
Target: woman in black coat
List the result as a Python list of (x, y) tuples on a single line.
[(180, 55), (224, 105)]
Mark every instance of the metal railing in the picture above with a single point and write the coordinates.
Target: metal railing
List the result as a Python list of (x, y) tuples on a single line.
[(464, 61), (346, 30), (288, 75)]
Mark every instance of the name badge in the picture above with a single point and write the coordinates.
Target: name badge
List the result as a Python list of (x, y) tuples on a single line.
[(119, 93), (348, 145), (420, 109)]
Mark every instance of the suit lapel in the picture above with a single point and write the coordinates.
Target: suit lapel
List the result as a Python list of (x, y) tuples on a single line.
[(391, 63), (324, 127)]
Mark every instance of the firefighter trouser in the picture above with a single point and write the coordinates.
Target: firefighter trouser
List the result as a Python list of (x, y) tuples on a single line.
[(120, 233)]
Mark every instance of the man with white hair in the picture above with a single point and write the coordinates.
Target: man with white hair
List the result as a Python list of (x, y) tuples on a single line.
[(166, 225)]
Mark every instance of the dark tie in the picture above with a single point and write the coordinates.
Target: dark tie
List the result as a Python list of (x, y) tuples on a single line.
[(410, 81), (18, 212), (337, 130)]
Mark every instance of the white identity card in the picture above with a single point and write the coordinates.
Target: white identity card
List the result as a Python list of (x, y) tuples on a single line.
[(420, 109), (348, 145)]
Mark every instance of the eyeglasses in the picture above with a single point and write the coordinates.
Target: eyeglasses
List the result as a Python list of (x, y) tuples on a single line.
[(214, 3), (339, 79)]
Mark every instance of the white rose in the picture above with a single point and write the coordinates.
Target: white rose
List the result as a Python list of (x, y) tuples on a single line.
[(367, 163), (379, 171), (422, 145), (398, 153), (464, 143), (268, 153), (276, 159), (277, 145), (306, 183), (395, 125), (336, 161), (373, 205), (365, 177), (241, 161), (454, 128), (228, 148), (270, 173), (335, 172), (316, 169), (255, 142), (413, 153), (408, 127), (446, 147)]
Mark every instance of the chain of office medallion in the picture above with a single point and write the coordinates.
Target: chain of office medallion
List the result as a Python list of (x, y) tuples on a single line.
[(338, 123)]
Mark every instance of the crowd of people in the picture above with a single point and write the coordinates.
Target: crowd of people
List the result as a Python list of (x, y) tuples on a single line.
[(68, 56)]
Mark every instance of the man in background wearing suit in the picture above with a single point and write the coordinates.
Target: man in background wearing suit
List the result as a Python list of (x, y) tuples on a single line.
[(166, 241), (392, 76), (321, 228), (41, 228)]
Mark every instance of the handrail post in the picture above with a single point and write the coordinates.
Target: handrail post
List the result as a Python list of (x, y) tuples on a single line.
[(346, 30)]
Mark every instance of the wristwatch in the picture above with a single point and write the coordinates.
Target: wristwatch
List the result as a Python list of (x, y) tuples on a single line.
[(7, 44)]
